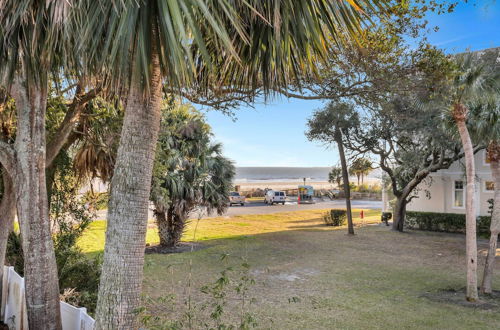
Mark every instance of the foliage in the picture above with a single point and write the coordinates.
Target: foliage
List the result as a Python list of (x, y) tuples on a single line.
[(96, 149), (490, 205), (360, 167), (14, 255), (335, 217), (70, 217), (231, 289), (445, 222), (324, 123), (189, 171), (97, 201), (335, 176), (364, 188), (385, 217), (240, 43)]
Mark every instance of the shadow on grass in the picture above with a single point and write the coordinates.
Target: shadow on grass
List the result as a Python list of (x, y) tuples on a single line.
[(457, 297)]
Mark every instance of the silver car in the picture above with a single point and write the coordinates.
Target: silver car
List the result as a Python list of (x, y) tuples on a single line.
[(236, 198)]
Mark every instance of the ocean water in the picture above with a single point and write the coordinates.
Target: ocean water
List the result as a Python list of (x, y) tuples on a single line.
[(284, 174), (257, 174)]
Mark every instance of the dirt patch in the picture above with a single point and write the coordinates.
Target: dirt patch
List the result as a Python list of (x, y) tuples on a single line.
[(457, 297), (298, 274), (180, 248)]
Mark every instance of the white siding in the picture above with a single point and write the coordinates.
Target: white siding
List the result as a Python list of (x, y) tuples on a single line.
[(440, 186)]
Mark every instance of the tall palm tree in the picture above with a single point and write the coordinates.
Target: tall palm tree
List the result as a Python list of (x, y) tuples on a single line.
[(142, 45), (471, 83), (190, 172), (361, 167), (484, 123), (35, 40)]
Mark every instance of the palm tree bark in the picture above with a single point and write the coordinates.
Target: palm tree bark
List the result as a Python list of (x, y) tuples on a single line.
[(170, 227), (345, 178), (7, 215), (494, 156), (40, 269), (459, 115), (163, 223), (121, 278)]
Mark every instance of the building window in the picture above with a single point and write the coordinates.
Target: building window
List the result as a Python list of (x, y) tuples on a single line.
[(458, 194), (489, 186)]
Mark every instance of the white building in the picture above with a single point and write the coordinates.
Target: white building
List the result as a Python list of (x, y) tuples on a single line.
[(444, 190)]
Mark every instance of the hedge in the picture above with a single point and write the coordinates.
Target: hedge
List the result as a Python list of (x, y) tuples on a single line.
[(335, 217), (445, 222)]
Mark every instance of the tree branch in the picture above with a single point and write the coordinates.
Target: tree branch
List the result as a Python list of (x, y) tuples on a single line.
[(69, 122)]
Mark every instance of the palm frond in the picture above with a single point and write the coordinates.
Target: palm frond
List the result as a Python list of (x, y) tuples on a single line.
[(241, 43)]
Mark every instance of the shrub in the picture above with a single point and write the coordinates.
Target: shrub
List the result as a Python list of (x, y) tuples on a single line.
[(445, 222), (97, 201), (365, 188), (335, 217), (225, 304), (385, 217)]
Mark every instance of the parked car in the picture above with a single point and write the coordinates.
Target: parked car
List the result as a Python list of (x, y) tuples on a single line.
[(236, 198), (274, 197)]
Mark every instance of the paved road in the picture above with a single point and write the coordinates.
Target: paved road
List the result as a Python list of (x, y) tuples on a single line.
[(261, 208), (256, 207)]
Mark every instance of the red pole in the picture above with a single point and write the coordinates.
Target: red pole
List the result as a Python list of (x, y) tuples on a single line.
[(362, 214)]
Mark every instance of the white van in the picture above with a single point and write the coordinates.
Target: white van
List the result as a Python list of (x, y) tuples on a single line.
[(275, 197)]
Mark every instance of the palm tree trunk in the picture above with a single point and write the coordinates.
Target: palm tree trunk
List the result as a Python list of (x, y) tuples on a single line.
[(494, 155), (170, 227), (165, 227), (459, 114), (345, 178), (7, 215), (40, 269), (122, 270), (179, 223)]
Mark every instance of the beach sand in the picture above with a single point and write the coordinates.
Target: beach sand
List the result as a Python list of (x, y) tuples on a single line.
[(284, 185), (276, 185)]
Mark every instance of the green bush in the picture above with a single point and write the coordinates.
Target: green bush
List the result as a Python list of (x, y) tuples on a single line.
[(335, 217), (365, 188), (98, 201), (385, 217), (445, 222)]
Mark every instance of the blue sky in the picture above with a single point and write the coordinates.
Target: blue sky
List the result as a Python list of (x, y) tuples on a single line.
[(273, 134)]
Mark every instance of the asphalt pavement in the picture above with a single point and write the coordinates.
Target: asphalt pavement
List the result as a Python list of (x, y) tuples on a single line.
[(259, 207)]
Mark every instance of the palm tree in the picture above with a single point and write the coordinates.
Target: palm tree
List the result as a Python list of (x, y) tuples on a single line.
[(190, 172), (97, 142), (484, 124), (335, 176), (141, 45), (471, 83), (35, 40), (360, 167)]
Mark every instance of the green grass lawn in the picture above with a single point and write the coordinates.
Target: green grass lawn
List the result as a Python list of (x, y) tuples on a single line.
[(308, 276)]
